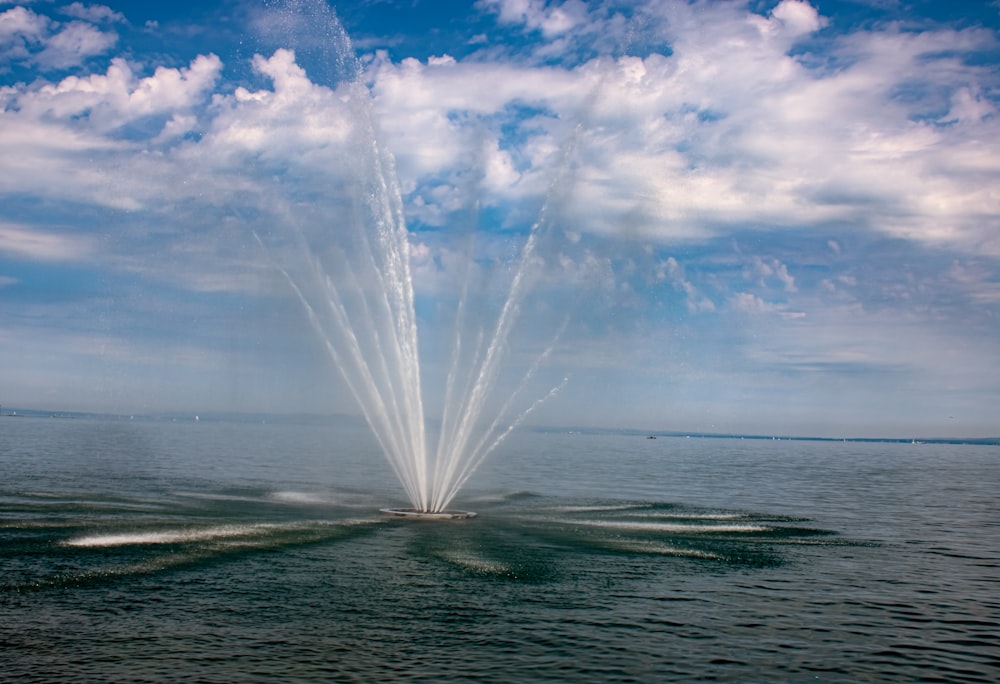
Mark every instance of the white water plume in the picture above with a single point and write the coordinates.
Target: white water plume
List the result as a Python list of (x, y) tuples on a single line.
[(344, 251)]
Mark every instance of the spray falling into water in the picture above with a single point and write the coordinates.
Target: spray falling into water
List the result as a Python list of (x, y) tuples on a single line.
[(350, 270)]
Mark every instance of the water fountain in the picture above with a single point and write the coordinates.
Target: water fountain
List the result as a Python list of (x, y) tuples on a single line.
[(344, 250)]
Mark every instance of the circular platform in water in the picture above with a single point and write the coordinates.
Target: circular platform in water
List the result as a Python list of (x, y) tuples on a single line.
[(426, 515)]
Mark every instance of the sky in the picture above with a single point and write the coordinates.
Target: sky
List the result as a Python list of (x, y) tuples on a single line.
[(760, 217)]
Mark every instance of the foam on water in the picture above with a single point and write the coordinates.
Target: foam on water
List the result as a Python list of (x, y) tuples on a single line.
[(170, 536), (217, 533), (302, 498)]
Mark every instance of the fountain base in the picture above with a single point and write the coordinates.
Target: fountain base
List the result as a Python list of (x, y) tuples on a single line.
[(414, 514)]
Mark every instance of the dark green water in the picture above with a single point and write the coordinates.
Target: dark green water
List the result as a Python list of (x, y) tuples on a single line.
[(231, 552)]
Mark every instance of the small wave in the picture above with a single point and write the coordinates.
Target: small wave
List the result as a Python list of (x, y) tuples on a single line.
[(208, 496), (692, 516), (594, 508), (289, 497), (478, 564), (52, 502), (662, 550), (39, 524), (499, 497), (640, 526)]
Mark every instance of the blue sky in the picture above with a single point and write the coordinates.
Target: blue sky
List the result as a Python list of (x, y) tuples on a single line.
[(767, 217)]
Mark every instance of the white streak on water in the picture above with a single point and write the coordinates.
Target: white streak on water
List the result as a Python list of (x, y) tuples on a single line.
[(169, 536), (303, 498), (662, 550), (670, 527), (691, 516), (186, 536)]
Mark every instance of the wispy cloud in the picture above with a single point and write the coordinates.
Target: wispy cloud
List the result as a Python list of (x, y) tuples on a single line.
[(30, 243), (93, 13)]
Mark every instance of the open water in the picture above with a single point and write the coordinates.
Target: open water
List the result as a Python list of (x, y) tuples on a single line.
[(219, 552)]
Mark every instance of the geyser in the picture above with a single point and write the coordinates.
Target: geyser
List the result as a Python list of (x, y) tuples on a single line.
[(335, 228)]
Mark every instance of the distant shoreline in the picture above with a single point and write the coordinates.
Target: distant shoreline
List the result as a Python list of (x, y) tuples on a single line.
[(348, 420), (980, 441)]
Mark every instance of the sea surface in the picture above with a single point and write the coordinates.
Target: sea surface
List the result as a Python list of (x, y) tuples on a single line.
[(221, 551)]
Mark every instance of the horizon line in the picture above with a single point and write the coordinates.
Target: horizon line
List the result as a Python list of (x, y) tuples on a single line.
[(246, 416)]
